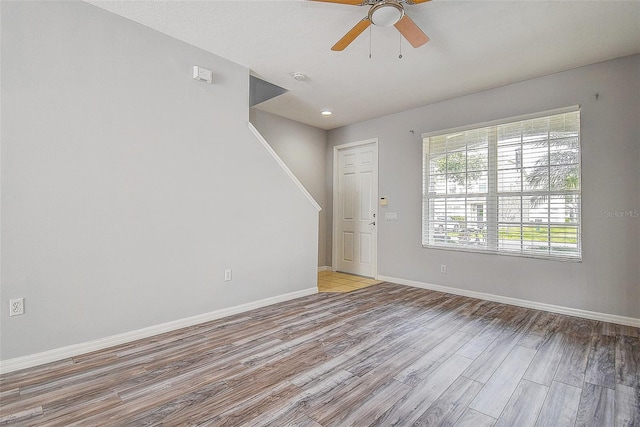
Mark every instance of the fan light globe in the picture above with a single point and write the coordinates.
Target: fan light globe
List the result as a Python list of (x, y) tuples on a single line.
[(386, 14)]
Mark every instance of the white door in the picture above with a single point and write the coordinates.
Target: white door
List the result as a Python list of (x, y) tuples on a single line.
[(355, 222)]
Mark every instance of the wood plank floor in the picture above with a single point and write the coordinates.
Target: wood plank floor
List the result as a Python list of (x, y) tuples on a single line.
[(385, 355)]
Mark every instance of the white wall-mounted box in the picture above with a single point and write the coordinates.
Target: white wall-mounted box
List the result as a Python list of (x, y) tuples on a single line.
[(202, 74)]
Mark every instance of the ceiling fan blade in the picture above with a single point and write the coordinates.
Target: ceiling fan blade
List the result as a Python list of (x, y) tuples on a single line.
[(411, 32), (352, 34), (353, 2)]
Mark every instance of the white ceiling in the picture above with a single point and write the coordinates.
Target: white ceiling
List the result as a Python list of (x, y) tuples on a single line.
[(475, 45)]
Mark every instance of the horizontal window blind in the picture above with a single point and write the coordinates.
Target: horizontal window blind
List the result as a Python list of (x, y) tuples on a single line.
[(511, 188)]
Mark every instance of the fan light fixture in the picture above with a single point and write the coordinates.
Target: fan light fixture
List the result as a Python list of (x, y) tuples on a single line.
[(383, 13), (386, 14)]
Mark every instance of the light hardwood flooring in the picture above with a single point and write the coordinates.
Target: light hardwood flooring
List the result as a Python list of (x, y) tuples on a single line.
[(331, 281), (380, 356)]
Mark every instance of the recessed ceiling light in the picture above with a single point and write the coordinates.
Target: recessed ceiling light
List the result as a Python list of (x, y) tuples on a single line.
[(326, 112)]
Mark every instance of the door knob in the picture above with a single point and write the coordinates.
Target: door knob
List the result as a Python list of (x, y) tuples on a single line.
[(372, 223)]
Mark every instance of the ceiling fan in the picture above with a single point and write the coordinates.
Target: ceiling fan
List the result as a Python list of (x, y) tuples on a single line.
[(384, 13)]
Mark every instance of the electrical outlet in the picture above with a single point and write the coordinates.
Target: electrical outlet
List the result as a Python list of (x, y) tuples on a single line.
[(443, 269), (227, 275), (16, 307)]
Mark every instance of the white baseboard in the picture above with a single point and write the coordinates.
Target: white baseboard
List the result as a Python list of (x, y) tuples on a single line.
[(57, 354), (324, 268), (593, 315)]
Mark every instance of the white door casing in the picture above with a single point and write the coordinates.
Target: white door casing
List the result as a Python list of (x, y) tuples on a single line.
[(355, 201)]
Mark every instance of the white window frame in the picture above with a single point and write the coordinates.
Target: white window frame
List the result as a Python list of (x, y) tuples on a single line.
[(490, 244)]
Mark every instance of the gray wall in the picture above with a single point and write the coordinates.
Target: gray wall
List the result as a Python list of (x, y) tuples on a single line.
[(128, 187), (302, 148), (608, 279)]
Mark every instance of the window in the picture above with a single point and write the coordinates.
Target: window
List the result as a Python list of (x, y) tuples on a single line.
[(509, 187)]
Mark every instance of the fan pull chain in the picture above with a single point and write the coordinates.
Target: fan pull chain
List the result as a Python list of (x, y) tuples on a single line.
[(400, 56), (369, 41)]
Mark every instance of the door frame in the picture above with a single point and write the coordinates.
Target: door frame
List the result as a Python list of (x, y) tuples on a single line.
[(334, 232)]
